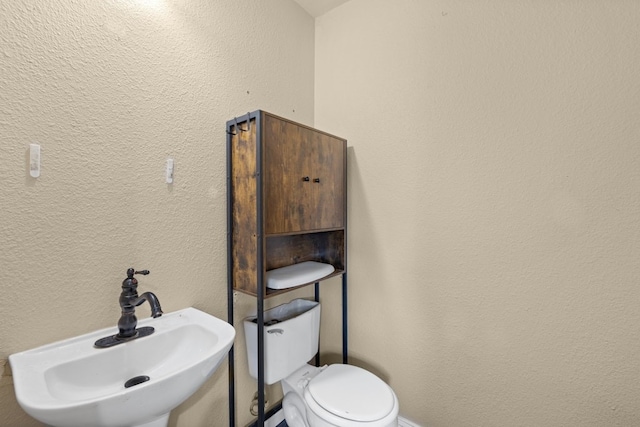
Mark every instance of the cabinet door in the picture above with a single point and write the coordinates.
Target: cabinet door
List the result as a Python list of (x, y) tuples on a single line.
[(304, 178), (327, 182), (286, 153)]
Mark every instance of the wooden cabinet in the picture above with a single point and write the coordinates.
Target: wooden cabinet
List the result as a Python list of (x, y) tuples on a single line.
[(287, 198), (304, 178)]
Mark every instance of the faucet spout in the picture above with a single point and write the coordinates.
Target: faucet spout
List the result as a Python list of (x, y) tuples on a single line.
[(156, 310)]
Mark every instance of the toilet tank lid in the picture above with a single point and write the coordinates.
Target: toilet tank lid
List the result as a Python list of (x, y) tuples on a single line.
[(297, 274), (352, 393)]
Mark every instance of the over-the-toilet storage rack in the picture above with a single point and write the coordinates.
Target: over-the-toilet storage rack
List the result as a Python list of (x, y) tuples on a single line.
[(286, 204)]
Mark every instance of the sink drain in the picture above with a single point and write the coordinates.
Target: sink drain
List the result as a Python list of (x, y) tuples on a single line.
[(136, 380)]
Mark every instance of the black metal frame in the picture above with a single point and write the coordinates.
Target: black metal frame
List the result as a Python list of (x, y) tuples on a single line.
[(232, 125)]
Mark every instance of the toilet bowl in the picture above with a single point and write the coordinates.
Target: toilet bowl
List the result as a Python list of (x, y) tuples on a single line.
[(337, 395)]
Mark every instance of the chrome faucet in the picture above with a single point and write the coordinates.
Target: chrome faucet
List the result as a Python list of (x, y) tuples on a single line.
[(129, 300)]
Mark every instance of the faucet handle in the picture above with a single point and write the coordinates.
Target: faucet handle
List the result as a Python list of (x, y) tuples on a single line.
[(131, 271), (130, 282)]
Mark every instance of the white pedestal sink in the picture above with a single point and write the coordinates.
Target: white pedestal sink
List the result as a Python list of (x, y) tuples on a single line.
[(71, 383)]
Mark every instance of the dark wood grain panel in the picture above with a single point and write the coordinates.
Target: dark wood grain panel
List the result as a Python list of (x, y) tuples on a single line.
[(286, 164), (327, 247), (304, 181), (244, 210), (303, 219), (328, 182)]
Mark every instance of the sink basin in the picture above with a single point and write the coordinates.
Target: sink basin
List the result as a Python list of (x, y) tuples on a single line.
[(72, 383)]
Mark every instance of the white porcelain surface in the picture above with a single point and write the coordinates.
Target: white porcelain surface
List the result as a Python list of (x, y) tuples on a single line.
[(301, 381), (352, 393), (288, 344), (319, 417), (71, 383)]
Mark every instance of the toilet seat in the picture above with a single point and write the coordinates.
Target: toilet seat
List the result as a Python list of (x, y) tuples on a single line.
[(346, 395)]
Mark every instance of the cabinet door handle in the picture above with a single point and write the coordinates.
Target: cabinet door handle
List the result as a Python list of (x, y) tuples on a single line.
[(316, 179), (305, 178)]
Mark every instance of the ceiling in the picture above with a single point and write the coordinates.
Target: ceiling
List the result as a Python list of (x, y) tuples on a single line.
[(316, 8)]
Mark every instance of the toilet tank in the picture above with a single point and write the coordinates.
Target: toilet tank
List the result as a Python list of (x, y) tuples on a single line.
[(291, 336)]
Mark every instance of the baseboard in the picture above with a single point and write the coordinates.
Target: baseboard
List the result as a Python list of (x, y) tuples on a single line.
[(403, 422)]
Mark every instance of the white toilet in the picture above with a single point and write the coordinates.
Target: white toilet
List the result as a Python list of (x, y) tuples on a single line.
[(330, 396)]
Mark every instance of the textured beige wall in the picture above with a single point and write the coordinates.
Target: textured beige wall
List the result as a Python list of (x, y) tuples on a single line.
[(110, 89), (494, 217)]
